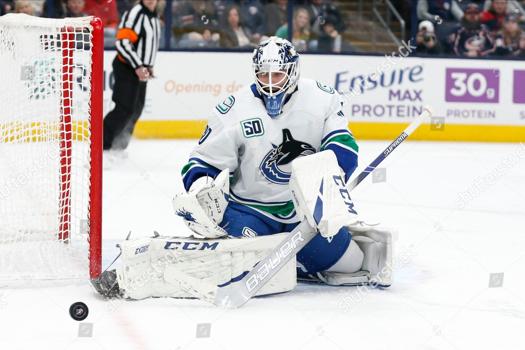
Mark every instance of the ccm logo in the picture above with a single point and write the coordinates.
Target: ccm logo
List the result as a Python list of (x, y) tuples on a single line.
[(177, 245), (264, 268), (344, 194)]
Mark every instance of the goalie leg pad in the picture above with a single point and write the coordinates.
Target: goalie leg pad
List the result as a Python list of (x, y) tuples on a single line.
[(184, 268)]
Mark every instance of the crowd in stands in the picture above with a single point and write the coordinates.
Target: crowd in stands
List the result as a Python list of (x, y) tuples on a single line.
[(317, 24), (468, 28), (486, 28)]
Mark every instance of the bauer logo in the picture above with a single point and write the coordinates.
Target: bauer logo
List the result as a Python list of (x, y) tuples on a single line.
[(472, 85), (264, 269), (182, 245)]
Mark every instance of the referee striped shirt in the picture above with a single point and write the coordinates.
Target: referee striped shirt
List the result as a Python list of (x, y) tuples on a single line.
[(138, 37)]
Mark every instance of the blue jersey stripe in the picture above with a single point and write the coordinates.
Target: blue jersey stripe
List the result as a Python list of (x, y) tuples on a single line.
[(346, 159)]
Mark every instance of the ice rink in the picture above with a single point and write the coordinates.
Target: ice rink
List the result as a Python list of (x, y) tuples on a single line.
[(458, 212)]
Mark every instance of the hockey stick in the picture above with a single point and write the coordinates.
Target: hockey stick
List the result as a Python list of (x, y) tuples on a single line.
[(402, 137), (238, 293)]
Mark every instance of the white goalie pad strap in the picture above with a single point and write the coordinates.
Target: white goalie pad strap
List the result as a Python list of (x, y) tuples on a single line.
[(182, 267), (319, 193)]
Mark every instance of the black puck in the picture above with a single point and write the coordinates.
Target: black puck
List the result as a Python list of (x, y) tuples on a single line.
[(78, 311)]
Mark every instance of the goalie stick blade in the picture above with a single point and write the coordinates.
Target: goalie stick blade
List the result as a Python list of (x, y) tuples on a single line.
[(238, 293)]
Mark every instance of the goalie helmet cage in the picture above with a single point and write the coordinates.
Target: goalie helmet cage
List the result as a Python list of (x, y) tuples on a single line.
[(50, 148)]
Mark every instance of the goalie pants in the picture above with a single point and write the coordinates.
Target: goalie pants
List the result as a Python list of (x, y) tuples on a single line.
[(318, 255), (129, 95)]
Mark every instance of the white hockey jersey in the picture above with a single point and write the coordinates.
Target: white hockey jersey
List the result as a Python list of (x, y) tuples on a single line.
[(258, 149)]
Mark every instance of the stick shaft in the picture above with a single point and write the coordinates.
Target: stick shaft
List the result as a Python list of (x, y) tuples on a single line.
[(402, 137)]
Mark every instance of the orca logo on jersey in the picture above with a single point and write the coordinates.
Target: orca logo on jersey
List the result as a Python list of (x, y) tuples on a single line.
[(283, 154)]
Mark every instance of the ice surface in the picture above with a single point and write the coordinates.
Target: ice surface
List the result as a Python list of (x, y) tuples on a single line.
[(458, 211)]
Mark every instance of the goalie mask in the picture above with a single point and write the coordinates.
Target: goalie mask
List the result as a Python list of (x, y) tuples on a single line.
[(276, 69)]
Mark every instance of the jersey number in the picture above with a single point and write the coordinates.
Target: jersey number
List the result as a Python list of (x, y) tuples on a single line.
[(252, 127)]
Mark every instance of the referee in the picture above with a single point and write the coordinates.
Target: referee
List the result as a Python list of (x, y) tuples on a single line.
[(138, 39)]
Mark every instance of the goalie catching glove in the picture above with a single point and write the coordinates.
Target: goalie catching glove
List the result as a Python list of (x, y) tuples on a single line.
[(202, 207)]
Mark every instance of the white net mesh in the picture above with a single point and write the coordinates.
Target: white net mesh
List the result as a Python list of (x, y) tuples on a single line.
[(44, 147)]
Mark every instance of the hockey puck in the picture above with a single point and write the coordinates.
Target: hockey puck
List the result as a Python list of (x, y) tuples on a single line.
[(78, 311)]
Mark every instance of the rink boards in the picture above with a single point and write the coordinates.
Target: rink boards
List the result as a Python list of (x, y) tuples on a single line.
[(473, 100)]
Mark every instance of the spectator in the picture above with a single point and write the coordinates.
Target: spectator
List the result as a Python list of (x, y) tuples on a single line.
[(445, 14), (24, 6), (6, 6), (57, 9), (481, 4), (438, 11), (319, 11), (106, 10), (513, 6), (494, 17), (252, 13), (330, 40), (301, 29), (234, 34), (508, 41), (75, 8), (426, 40), (221, 6), (194, 16), (521, 47), (473, 38), (276, 15), (195, 24)]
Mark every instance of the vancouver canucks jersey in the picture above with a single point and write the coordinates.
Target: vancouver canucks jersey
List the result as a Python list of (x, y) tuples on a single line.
[(258, 150)]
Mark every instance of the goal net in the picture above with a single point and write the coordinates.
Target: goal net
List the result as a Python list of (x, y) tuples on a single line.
[(50, 147)]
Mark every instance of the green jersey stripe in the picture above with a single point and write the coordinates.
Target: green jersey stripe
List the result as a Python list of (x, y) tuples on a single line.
[(344, 139)]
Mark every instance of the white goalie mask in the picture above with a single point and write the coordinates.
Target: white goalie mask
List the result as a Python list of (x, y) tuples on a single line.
[(276, 70)]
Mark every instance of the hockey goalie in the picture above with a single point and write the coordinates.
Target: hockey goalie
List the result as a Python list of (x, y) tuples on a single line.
[(273, 155)]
